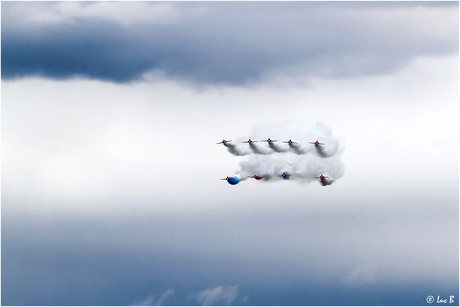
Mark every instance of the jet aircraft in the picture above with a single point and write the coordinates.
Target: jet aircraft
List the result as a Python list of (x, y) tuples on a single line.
[(285, 175), (269, 140), (256, 177), (224, 141), (322, 177), (250, 141), (290, 142), (232, 180), (316, 143)]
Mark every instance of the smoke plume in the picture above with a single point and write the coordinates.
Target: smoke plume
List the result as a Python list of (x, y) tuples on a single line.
[(291, 149)]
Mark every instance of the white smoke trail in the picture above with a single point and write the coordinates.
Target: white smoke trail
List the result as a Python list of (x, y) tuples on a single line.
[(302, 160), (300, 167), (300, 134)]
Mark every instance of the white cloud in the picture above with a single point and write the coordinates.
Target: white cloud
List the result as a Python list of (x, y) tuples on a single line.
[(91, 148), (152, 300), (125, 13), (147, 302), (89, 139), (33, 12), (164, 297), (217, 296), (222, 296)]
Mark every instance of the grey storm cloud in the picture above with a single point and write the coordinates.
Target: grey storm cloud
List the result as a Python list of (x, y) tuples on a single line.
[(225, 43)]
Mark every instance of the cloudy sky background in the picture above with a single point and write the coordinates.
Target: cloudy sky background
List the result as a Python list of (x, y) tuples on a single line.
[(110, 172)]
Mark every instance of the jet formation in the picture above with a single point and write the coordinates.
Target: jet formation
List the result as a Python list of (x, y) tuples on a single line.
[(269, 140), (285, 174)]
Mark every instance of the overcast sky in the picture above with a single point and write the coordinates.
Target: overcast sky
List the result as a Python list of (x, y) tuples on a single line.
[(111, 190)]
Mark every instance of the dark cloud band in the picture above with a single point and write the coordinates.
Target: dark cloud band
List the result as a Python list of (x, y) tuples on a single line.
[(228, 44)]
